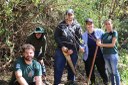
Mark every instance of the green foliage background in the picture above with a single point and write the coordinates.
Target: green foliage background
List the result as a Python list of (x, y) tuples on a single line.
[(18, 18)]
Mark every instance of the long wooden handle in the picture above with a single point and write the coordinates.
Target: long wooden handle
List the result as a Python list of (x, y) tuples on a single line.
[(69, 61), (92, 65)]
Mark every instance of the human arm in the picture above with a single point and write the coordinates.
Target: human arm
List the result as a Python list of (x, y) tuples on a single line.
[(113, 40), (43, 48), (18, 72), (58, 36), (38, 74), (43, 68), (19, 78), (38, 80), (79, 39)]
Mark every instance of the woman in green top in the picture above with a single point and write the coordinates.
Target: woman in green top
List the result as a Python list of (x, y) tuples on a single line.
[(110, 52)]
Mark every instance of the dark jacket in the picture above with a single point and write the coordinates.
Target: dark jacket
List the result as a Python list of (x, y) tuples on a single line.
[(68, 36), (39, 44)]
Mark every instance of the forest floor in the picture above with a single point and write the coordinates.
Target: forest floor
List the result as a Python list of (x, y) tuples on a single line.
[(5, 75)]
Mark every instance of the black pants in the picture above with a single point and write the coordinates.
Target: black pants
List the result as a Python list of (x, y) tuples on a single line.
[(100, 64)]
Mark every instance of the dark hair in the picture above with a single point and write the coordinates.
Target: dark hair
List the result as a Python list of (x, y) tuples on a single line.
[(27, 46)]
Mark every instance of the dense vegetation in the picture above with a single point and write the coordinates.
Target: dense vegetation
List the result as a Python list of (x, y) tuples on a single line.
[(18, 18)]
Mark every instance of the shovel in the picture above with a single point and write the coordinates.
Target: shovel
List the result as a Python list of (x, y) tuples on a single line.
[(92, 65)]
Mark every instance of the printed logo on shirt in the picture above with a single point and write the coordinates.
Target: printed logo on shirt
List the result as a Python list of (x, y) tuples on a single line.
[(109, 37), (17, 65), (31, 73)]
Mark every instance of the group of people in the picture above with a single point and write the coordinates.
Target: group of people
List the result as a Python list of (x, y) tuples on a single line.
[(70, 41), (29, 68), (68, 36)]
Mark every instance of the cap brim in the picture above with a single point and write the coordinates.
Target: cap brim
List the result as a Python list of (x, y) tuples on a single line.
[(89, 21), (38, 32), (70, 13)]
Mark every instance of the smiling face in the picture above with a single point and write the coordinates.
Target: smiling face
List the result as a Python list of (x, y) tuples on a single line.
[(89, 26), (38, 35), (28, 54), (69, 16), (108, 25)]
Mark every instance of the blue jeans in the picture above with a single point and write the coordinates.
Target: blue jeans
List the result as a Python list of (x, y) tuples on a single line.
[(59, 65), (111, 63)]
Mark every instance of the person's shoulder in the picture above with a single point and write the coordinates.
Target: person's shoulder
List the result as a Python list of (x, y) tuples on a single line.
[(114, 31), (35, 62), (19, 58), (84, 33), (62, 23), (31, 38), (31, 35), (75, 22)]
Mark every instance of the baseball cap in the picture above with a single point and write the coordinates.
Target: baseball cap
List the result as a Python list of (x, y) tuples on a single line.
[(89, 20), (70, 11)]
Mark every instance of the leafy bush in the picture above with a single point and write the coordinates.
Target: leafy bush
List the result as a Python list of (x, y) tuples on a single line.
[(123, 68)]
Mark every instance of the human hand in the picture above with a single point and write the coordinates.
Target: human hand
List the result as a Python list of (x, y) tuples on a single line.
[(64, 49), (70, 52), (82, 49), (98, 42), (67, 51)]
